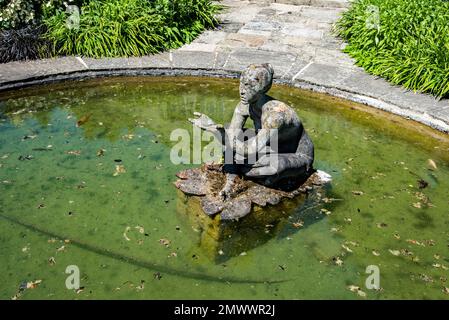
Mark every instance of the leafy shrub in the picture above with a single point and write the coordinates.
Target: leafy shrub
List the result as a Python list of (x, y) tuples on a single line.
[(16, 13), (409, 46), (24, 43), (130, 27)]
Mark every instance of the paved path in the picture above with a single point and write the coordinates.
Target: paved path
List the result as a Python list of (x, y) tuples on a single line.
[(293, 35)]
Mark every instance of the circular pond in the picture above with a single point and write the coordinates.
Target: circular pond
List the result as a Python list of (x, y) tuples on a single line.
[(86, 180)]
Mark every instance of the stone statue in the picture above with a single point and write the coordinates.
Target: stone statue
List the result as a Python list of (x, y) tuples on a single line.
[(270, 165), (291, 164)]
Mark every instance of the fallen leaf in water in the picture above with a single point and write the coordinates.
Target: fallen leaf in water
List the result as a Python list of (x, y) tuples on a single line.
[(164, 242), (330, 200), (357, 193), (27, 137), (353, 288), (78, 291), (119, 169), (417, 205), (51, 261), (361, 293), (157, 276), (432, 164), (406, 252), (74, 152), (395, 252), (33, 284), (125, 234), (141, 286), (338, 261), (128, 137), (425, 277), (415, 242), (83, 120), (298, 224), (101, 152), (27, 157), (422, 184), (357, 290)]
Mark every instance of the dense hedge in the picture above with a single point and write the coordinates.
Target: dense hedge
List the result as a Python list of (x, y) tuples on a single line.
[(408, 45), (105, 28), (131, 27)]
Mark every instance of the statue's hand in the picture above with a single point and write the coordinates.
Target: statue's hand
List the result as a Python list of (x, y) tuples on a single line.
[(204, 122), (267, 165)]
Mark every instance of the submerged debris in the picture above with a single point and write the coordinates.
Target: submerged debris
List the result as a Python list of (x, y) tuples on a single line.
[(432, 165), (27, 157), (357, 290), (119, 169), (101, 152), (164, 242), (74, 152), (83, 120)]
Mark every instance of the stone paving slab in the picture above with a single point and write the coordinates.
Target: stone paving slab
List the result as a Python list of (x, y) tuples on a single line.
[(296, 39), (16, 71)]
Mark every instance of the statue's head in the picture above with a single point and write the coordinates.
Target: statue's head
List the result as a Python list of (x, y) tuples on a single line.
[(255, 81)]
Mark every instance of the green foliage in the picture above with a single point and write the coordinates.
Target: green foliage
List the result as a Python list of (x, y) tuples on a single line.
[(17, 13), (409, 46), (112, 28)]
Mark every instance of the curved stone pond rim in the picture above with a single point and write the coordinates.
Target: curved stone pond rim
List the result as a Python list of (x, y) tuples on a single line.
[(424, 123)]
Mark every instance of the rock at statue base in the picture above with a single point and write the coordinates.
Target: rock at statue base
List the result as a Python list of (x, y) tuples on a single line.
[(252, 217), (207, 181)]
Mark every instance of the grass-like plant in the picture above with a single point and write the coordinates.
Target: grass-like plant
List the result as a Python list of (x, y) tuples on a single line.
[(24, 43), (113, 28), (404, 41)]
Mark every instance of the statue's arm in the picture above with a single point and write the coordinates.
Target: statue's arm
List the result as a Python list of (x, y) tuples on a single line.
[(303, 156), (277, 163), (241, 113)]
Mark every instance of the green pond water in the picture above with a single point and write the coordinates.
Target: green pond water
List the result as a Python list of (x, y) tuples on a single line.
[(62, 204)]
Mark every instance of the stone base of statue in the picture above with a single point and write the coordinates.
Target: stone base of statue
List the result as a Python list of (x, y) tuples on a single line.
[(207, 181), (249, 217)]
